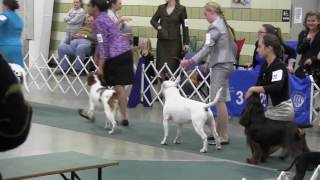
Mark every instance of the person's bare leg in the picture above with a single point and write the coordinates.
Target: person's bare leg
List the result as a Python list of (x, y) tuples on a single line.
[(123, 102), (222, 122)]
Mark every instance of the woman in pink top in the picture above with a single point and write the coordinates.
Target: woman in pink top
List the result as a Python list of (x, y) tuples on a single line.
[(115, 56)]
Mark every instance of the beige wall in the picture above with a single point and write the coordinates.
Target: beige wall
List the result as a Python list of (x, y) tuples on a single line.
[(309, 5), (246, 22)]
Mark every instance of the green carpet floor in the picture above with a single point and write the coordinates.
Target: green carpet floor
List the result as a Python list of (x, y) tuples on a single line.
[(175, 170), (145, 133)]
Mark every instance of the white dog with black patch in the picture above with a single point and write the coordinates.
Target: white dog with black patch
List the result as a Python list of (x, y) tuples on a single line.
[(183, 110), (20, 74), (104, 98)]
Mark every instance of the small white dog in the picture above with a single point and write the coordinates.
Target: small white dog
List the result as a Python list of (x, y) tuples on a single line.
[(101, 97), (182, 110), (20, 74)]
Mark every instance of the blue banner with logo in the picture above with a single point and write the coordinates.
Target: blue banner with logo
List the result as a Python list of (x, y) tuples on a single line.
[(300, 93), (240, 82), (301, 96)]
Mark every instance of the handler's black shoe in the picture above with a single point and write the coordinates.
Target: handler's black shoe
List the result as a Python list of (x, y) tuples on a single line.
[(210, 138), (125, 122), (222, 142), (83, 113)]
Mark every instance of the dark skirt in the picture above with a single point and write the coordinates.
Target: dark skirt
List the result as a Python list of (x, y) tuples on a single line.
[(167, 52), (119, 70)]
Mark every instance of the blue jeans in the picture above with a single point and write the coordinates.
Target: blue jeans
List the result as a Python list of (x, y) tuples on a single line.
[(77, 48), (67, 38)]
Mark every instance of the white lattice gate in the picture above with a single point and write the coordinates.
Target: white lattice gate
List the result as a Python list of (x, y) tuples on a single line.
[(199, 90), (40, 75)]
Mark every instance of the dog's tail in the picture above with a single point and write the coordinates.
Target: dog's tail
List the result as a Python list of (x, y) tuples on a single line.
[(215, 100), (291, 165)]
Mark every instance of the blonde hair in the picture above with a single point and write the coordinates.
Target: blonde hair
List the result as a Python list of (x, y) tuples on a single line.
[(214, 7), (147, 45)]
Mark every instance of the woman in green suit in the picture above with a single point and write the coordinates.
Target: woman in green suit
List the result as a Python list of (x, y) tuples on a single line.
[(167, 21)]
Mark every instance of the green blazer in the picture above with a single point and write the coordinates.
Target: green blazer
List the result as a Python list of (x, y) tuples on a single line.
[(171, 23)]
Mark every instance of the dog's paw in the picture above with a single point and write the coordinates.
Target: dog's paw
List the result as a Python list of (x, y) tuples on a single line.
[(252, 161), (203, 150), (263, 160), (111, 132), (164, 143), (108, 125), (282, 158), (218, 147), (114, 130), (177, 141)]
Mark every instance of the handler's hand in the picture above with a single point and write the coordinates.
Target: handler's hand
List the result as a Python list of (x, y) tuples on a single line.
[(186, 62), (249, 92), (308, 62)]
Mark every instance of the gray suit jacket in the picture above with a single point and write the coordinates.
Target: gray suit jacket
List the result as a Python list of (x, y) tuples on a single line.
[(218, 47), (75, 21)]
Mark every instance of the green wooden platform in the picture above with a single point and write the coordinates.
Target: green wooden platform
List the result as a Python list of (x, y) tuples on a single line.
[(51, 164)]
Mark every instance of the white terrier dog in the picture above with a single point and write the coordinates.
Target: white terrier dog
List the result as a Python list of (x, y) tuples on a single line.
[(20, 74), (101, 97), (182, 110)]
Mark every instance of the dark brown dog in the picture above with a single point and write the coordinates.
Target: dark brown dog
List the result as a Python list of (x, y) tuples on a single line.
[(265, 136), (305, 162)]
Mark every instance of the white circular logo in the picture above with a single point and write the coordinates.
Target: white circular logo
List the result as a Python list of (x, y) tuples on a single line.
[(298, 100)]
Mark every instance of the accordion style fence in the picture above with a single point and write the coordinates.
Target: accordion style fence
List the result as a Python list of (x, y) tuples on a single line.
[(284, 176), (48, 73), (194, 83)]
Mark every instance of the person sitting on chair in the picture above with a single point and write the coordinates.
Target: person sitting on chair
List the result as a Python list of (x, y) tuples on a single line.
[(79, 47)]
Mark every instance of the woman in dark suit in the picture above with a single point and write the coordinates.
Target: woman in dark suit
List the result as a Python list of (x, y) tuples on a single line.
[(171, 16)]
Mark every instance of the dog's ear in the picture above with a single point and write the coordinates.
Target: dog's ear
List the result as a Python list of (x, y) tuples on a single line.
[(90, 79), (255, 99), (160, 80), (177, 81), (113, 92), (166, 76), (256, 95), (245, 116)]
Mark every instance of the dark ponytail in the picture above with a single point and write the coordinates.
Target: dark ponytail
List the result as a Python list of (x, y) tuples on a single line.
[(215, 7), (110, 3), (273, 30), (271, 40), (81, 3), (102, 5)]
